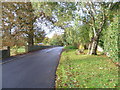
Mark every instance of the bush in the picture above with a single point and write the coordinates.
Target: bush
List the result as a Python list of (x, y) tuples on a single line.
[(111, 41)]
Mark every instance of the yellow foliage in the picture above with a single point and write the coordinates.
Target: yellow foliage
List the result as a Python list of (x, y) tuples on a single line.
[(81, 47)]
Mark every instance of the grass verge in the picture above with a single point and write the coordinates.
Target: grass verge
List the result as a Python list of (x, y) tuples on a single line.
[(85, 71)]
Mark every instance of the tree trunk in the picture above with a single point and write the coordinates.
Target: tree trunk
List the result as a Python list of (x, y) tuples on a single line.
[(30, 40), (31, 35), (89, 48), (94, 45), (90, 45)]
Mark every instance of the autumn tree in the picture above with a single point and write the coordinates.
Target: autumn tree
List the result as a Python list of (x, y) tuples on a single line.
[(18, 17), (26, 19)]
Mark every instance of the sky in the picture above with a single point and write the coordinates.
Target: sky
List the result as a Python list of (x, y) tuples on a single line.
[(50, 34)]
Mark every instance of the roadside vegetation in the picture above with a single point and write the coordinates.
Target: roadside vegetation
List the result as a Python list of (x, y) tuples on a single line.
[(17, 50), (86, 71)]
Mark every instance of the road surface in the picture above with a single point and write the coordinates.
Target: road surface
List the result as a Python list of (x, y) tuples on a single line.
[(32, 70)]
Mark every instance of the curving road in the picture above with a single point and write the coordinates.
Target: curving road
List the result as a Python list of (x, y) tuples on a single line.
[(32, 70)]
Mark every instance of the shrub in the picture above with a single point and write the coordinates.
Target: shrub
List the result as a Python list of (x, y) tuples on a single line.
[(111, 40)]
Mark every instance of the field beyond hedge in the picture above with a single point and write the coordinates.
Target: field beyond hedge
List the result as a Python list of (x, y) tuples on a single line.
[(85, 71)]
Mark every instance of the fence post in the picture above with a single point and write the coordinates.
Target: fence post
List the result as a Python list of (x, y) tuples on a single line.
[(5, 53), (8, 48)]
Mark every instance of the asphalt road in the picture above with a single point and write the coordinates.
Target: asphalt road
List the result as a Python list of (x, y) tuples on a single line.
[(32, 70)]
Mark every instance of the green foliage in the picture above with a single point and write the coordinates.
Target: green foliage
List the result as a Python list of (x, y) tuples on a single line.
[(39, 36), (77, 34), (56, 40), (44, 7), (46, 41), (85, 71), (70, 47), (111, 40)]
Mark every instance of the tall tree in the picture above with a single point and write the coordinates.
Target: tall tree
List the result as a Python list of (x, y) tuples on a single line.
[(112, 33), (26, 19), (18, 15), (96, 16)]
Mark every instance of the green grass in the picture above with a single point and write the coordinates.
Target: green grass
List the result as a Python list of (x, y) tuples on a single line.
[(15, 51), (85, 71)]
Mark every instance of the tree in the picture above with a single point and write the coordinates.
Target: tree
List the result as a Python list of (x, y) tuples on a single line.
[(111, 40), (46, 41), (39, 36), (7, 23), (26, 19), (78, 34), (56, 40), (112, 34), (18, 15), (96, 17)]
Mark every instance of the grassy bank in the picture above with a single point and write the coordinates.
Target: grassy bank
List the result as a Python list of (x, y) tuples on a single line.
[(85, 71)]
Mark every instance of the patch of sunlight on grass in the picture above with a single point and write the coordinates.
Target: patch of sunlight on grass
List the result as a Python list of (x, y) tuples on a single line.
[(17, 51)]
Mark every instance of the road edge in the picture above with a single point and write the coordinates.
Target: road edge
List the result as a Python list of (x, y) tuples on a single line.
[(57, 66)]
